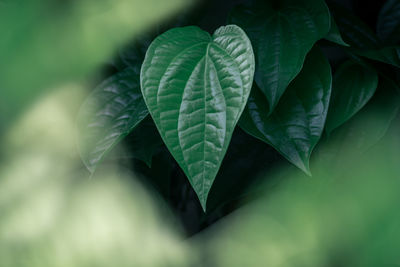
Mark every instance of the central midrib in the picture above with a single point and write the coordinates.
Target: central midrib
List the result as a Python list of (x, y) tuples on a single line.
[(205, 117)]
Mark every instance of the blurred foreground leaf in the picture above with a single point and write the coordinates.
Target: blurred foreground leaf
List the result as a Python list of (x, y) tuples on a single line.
[(52, 215), (345, 215), (46, 42), (109, 114)]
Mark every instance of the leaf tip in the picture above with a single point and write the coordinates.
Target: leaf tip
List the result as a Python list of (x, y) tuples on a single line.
[(202, 196), (203, 203), (271, 107), (304, 165), (90, 167), (308, 172), (148, 162)]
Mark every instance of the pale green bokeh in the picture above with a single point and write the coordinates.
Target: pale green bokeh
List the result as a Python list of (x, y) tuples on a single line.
[(345, 215), (47, 42), (53, 215)]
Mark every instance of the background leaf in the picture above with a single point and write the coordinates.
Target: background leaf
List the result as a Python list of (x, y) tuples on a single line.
[(389, 55), (334, 34), (353, 87), (282, 34), (196, 87), (110, 113), (297, 123), (354, 31), (372, 122), (362, 39), (388, 25), (144, 141)]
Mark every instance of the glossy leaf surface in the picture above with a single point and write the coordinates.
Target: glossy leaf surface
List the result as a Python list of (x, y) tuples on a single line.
[(388, 25), (110, 113), (297, 123), (282, 34), (353, 87), (196, 87)]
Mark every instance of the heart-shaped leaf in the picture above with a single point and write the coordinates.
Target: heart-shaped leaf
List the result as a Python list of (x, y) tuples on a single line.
[(196, 87), (388, 25), (297, 123), (353, 87), (282, 33), (110, 113)]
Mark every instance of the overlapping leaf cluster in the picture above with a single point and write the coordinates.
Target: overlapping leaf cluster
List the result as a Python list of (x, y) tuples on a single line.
[(196, 86)]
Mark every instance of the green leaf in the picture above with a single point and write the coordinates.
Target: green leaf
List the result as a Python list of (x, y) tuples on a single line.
[(388, 25), (110, 113), (144, 141), (297, 123), (385, 72), (362, 39), (334, 35), (354, 31), (370, 125), (389, 55), (353, 87), (196, 87), (282, 35)]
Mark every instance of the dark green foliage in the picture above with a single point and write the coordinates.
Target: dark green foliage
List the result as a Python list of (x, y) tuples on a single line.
[(284, 113), (196, 85)]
